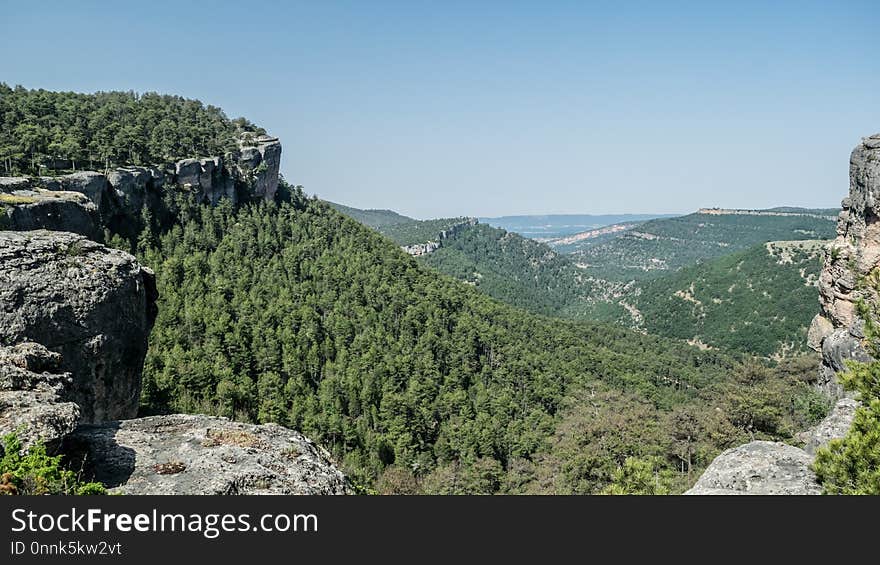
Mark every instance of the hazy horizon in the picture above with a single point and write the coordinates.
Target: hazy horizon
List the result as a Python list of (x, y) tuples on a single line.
[(493, 109)]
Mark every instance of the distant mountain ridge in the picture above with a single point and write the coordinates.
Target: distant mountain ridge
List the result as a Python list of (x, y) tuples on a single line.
[(553, 226), (373, 218)]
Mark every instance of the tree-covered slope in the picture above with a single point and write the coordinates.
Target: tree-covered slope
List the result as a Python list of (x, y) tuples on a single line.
[(660, 246), (758, 301), (420, 231), (372, 217), (299, 315), (69, 130)]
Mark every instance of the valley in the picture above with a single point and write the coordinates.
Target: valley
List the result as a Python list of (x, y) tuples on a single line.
[(441, 356)]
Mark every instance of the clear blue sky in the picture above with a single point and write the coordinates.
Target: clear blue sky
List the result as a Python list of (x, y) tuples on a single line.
[(491, 108)]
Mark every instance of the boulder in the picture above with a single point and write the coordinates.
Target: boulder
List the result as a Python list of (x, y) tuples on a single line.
[(820, 328), (191, 454), (834, 426), (32, 390), (838, 347), (93, 305), (759, 467)]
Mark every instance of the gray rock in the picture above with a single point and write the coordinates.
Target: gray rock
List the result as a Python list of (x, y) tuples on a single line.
[(759, 467), (8, 184), (837, 348), (188, 172), (36, 208), (852, 257), (93, 185), (131, 185), (834, 426), (93, 305), (261, 163), (187, 454), (32, 390), (820, 328)]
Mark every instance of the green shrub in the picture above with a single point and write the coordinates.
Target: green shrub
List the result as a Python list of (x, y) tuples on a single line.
[(36, 472), (852, 465)]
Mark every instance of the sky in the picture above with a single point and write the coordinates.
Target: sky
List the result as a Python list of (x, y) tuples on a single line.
[(486, 108)]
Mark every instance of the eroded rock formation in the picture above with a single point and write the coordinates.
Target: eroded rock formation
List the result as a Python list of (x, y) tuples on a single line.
[(32, 395), (250, 172), (850, 273), (93, 305)]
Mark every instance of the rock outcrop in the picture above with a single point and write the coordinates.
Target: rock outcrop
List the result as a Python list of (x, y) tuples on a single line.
[(186, 454), (759, 467), (260, 161), (834, 426), (25, 208), (850, 274), (418, 249), (250, 172), (32, 395), (93, 305)]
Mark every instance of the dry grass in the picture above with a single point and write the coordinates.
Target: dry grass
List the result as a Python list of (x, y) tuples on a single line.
[(12, 199), (238, 438)]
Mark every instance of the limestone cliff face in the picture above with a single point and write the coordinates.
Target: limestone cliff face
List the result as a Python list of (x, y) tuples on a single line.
[(92, 305), (33, 392), (114, 200), (850, 267)]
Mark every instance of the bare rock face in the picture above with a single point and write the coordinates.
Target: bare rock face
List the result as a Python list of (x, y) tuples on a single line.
[(32, 208), (850, 267), (132, 185), (32, 391), (93, 305), (186, 454), (93, 185), (759, 467), (261, 163), (834, 426)]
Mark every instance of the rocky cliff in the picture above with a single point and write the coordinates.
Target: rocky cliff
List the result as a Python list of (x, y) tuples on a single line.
[(91, 304), (848, 301), (86, 202), (847, 285)]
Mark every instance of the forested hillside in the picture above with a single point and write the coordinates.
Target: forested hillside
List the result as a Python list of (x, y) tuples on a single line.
[(511, 268), (701, 289), (41, 130), (657, 247), (419, 231), (373, 218), (758, 301), (419, 383)]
